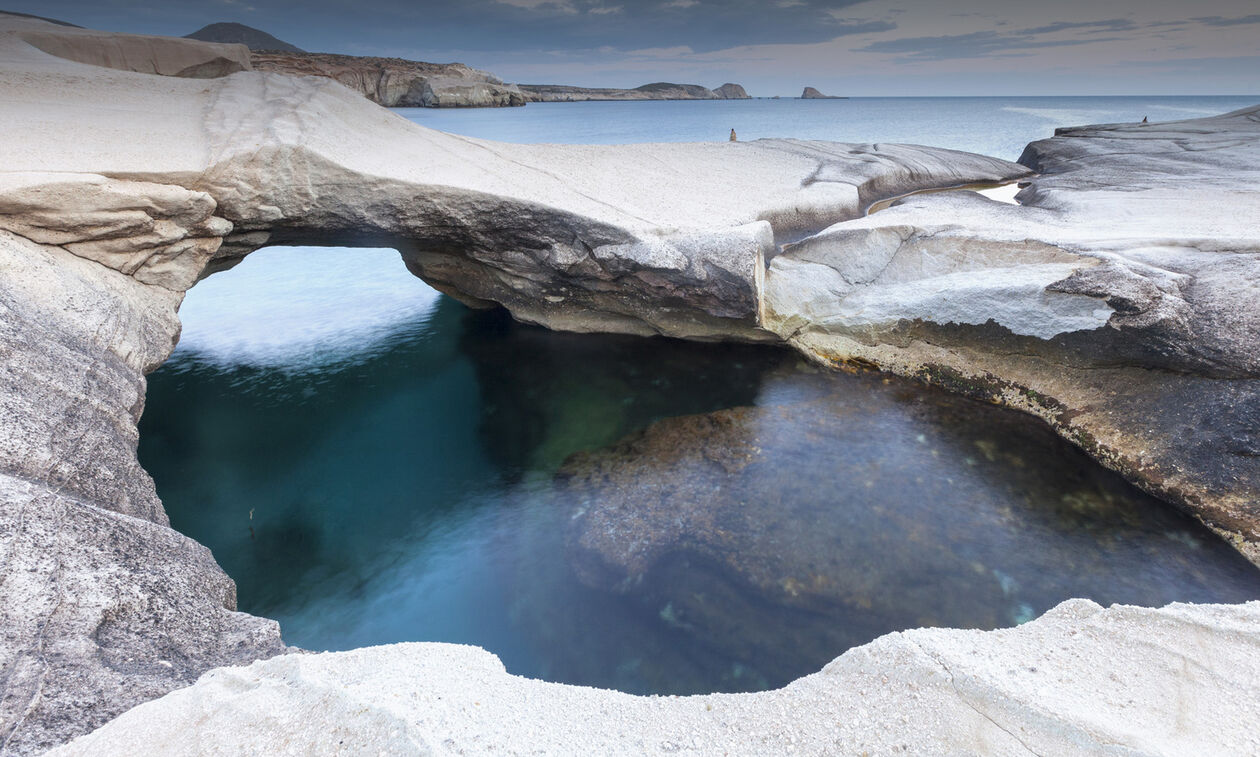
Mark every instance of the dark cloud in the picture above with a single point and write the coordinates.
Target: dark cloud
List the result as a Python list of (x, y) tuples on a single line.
[(1222, 21), (331, 25), (994, 44), (1111, 25)]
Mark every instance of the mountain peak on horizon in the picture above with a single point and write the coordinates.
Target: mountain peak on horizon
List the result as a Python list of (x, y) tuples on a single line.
[(254, 39)]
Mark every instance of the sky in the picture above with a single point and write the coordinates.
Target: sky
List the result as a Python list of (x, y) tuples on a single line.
[(842, 47)]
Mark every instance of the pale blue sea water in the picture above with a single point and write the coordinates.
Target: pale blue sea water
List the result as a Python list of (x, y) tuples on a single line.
[(374, 463), (998, 126)]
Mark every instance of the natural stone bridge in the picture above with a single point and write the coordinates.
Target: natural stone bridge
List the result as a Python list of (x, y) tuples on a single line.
[(1117, 303)]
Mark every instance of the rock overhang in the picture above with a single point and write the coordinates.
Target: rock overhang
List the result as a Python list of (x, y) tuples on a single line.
[(643, 239)]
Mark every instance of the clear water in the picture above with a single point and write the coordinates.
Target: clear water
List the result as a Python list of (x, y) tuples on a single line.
[(998, 126), (374, 463)]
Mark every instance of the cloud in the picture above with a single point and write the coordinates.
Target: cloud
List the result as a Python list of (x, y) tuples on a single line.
[(1005, 44), (1221, 21)]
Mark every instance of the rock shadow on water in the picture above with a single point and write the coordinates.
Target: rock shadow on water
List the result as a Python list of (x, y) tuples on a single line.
[(843, 507)]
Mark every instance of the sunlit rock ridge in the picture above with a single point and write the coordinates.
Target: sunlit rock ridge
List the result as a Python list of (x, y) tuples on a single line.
[(1117, 304)]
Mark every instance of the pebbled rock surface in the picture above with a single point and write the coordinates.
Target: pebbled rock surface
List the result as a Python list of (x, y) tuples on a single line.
[(549, 93), (1116, 302), (396, 82), (1080, 680)]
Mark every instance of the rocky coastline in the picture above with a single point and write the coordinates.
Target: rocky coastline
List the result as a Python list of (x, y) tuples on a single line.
[(656, 91), (1115, 303), (396, 82)]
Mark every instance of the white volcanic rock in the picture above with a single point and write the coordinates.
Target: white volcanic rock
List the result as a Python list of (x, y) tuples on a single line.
[(1080, 680), (102, 605), (638, 238), (104, 224), (1117, 302), (168, 56)]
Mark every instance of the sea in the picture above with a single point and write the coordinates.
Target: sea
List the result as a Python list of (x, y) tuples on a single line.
[(374, 463)]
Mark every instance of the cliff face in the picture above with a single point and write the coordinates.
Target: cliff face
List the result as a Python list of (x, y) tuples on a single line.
[(396, 82), (654, 91)]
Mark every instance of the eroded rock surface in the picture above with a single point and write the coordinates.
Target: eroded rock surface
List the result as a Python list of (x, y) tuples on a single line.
[(105, 607), (1080, 680), (1117, 302), (396, 82), (167, 56)]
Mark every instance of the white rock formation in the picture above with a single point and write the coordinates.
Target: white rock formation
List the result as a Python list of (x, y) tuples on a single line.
[(1117, 302), (105, 222), (168, 56), (1078, 681), (104, 607)]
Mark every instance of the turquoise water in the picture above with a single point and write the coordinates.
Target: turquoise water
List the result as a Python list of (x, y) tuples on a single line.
[(373, 463)]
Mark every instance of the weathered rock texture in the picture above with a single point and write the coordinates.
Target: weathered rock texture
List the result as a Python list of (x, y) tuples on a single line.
[(1080, 680), (398, 83), (104, 607), (169, 56), (656, 91), (240, 34), (1117, 303)]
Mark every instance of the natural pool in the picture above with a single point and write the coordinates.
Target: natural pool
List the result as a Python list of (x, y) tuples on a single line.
[(643, 514)]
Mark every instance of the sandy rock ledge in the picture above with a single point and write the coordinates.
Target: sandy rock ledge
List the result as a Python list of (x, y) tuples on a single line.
[(1079, 680)]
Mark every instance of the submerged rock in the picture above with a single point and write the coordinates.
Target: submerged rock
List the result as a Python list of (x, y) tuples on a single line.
[(930, 521), (1116, 302)]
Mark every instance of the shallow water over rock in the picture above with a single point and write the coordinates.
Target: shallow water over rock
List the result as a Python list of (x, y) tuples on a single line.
[(644, 514)]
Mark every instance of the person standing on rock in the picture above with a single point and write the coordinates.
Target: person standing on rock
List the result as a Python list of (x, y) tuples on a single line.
[(733, 136)]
